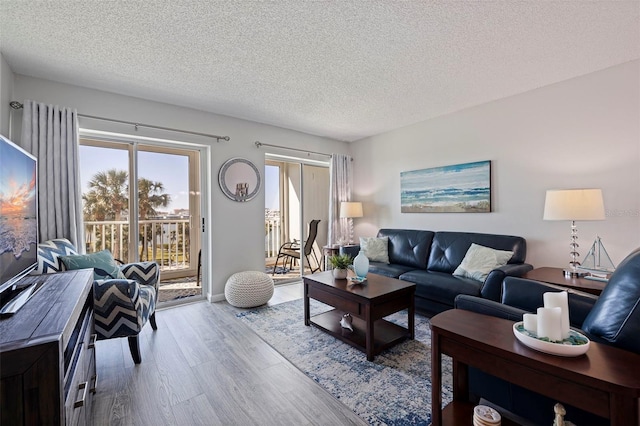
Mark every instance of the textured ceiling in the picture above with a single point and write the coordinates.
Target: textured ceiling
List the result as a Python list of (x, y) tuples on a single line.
[(340, 69)]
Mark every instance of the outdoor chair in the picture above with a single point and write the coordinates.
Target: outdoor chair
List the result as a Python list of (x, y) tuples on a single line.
[(125, 296), (290, 252)]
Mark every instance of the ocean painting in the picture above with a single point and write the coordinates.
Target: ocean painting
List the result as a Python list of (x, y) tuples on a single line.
[(461, 188)]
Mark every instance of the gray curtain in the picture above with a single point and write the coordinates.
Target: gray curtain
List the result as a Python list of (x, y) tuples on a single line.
[(51, 134), (340, 190)]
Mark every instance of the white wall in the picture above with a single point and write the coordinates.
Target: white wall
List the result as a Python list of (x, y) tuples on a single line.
[(237, 229), (6, 92), (584, 132)]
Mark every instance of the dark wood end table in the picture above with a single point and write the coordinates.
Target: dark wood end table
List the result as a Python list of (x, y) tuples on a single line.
[(601, 382), (556, 276), (367, 303), (327, 252)]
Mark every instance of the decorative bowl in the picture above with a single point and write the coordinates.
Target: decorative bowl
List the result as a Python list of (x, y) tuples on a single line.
[(576, 345), (357, 280)]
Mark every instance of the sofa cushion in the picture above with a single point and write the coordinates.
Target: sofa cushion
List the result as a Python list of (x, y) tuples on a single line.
[(481, 260), (393, 271), (102, 262), (408, 247), (449, 248), (615, 316), (376, 249), (440, 286)]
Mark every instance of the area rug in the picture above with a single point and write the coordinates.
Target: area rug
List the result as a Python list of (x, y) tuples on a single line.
[(394, 389)]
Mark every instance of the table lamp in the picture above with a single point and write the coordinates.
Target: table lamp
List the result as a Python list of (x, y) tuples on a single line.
[(574, 204), (349, 210)]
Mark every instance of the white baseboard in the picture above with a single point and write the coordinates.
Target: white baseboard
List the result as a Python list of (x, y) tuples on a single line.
[(215, 297)]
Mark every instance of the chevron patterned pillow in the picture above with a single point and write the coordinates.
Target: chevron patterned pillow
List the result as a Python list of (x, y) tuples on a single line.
[(49, 254)]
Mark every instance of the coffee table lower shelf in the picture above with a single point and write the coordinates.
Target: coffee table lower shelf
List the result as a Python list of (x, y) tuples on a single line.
[(461, 413), (386, 334)]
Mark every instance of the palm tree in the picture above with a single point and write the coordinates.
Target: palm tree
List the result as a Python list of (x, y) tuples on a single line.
[(108, 199), (108, 196), (150, 197)]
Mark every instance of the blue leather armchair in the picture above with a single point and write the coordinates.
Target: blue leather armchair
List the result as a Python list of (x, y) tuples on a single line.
[(613, 318)]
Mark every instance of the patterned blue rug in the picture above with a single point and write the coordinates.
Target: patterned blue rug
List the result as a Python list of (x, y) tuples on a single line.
[(394, 389)]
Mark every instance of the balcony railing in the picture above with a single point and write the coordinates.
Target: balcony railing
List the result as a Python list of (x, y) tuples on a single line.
[(272, 238), (165, 241)]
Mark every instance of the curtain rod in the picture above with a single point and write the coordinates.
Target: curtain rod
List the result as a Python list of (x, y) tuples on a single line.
[(18, 105), (259, 144)]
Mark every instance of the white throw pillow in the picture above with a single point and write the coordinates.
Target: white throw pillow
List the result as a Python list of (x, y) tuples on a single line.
[(481, 260), (376, 249)]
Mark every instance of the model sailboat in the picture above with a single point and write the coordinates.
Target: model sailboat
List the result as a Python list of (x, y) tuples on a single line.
[(597, 262)]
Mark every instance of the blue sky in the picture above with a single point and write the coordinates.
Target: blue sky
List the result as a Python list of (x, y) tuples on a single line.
[(170, 169)]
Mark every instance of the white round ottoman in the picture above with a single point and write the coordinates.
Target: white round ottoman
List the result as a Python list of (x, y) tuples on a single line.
[(248, 289)]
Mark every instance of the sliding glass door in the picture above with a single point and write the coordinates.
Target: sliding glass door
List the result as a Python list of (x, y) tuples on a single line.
[(296, 217), (141, 202)]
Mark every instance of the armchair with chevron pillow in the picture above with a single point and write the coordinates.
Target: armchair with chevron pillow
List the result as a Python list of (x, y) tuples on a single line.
[(125, 296)]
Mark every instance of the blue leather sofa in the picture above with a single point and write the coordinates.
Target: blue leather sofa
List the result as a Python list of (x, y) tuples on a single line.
[(612, 318), (429, 259)]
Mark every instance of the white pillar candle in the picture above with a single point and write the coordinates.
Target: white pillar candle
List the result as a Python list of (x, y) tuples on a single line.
[(559, 300), (550, 323), (530, 323)]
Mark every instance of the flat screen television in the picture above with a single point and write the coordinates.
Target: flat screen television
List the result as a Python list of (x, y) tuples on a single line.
[(18, 213)]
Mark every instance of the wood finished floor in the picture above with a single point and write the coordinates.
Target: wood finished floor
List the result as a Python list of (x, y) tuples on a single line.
[(205, 367)]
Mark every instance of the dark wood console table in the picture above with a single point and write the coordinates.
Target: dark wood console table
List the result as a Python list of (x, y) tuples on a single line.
[(603, 381), (47, 355), (556, 276)]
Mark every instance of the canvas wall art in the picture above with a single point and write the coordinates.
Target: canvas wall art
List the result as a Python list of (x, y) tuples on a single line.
[(461, 188)]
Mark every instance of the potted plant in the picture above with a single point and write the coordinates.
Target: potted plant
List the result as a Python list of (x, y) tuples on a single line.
[(340, 263)]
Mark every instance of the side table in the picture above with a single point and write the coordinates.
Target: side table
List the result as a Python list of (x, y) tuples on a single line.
[(556, 276), (327, 252)]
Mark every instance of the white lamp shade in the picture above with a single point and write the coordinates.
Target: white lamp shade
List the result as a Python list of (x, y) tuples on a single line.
[(574, 204), (350, 209)]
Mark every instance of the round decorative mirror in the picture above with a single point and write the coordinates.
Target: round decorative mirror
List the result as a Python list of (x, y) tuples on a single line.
[(239, 179)]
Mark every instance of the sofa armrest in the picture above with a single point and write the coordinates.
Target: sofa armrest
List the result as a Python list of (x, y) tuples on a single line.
[(516, 269), (147, 273), (351, 250), (492, 287), (488, 307)]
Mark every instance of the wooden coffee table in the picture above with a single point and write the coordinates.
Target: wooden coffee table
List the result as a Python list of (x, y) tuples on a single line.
[(367, 303), (603, 381)]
